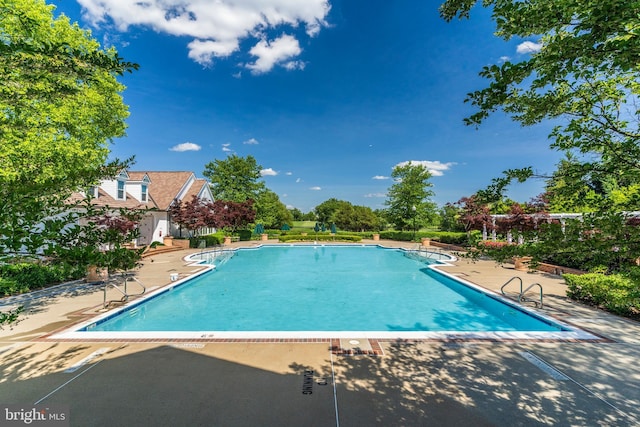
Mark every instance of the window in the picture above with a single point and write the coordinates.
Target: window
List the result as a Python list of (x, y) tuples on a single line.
[(93, 191), (144, 193), (121, 190)]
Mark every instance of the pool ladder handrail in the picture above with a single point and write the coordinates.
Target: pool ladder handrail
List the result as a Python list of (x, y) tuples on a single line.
[(419, 250), (521, 295), (125, 293)]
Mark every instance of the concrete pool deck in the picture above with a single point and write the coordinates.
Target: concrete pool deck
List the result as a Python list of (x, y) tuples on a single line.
[(475, 383)]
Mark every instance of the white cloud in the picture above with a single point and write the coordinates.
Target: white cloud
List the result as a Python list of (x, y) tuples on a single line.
[(216, 28), (315, 188), (288, 173), (268, 172), (203, 51), (504, 59), (528, 47), (251, 141), (294, 65), (380, 177), (225, 148), (272, 53), (298, 180), (435, 168), (186, 146), (375, 195)]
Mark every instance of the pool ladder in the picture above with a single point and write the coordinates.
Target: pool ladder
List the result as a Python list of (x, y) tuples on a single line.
[(421, 253), (125, 293), (521, 295)]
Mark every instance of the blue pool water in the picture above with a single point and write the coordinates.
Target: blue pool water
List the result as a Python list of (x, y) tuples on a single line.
[(323, 288)]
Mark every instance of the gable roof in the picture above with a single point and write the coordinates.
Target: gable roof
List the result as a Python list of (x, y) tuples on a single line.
[(165, 186), (196, 189)]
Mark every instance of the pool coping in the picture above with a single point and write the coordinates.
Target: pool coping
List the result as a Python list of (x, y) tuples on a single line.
[(73, 332)]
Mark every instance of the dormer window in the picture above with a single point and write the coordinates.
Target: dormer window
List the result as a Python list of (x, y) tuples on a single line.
[(121, 193), (93, 191), (144, 194)]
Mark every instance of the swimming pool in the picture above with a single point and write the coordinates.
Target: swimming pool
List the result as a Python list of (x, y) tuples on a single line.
[(323, 290)]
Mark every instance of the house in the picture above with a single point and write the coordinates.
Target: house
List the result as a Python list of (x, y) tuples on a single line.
[(154, 191)]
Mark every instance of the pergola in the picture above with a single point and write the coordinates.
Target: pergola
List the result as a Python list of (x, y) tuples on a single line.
[(561, 217)]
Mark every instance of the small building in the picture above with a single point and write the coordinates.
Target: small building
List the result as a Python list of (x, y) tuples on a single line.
[(154, 191)]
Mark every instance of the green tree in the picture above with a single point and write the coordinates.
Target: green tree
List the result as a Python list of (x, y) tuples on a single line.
[(409, 204), (61, 107), (59, 96), (325, 211), (270, 211), (296, 214), (572, 189), (586, 77), (569, 189), (235, 178), (355, 218), (381, 215)]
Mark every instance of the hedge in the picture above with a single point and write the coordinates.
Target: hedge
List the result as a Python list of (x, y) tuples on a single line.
[(615, 293), (24, 276), (210, 240), (450, 237), (311, 237)]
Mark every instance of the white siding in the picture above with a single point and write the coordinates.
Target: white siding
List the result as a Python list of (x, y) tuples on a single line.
[(110, 187)]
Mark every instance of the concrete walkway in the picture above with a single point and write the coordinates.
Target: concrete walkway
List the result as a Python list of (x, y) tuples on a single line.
[(282, 384)]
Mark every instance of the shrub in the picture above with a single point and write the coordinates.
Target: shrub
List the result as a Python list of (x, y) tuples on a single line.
[(403, 236), (27, 275), (449, 237), (245, 235), (210, 240), (10, 287), (615, 293), (320, 238)]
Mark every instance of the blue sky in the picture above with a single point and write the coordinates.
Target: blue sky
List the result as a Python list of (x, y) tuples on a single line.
[(328, 96)]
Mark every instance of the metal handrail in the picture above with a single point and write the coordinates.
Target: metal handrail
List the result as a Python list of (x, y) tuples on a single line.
[(105, 303), (144, 289), (125, 294), (522, 298), (522, 292), (509, 281)]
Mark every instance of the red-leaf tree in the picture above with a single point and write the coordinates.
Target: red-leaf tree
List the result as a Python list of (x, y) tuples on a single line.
[(193, 214), (474, 215), (231, 216)]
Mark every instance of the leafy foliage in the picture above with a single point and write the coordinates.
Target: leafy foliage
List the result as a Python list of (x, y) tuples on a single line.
[(409, 204), (61, 106), (59, 99), (235, 178), (616, 293), (356, 218), (231, 216), (473, 215), (193, 214), (270, 211), (449, 237), (97, 236), (586, 74), (324, 237), (9, 317)]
